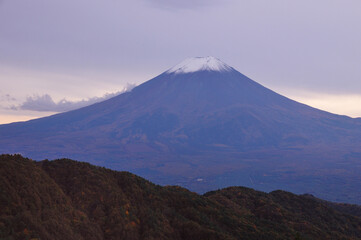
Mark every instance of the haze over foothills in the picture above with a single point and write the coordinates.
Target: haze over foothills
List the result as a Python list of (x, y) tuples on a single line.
[(60, 55)]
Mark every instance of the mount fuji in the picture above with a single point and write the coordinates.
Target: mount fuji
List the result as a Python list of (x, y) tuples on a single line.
[(204, 125)]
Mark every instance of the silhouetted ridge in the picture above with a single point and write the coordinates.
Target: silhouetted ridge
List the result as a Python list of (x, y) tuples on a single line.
[(65, 199)]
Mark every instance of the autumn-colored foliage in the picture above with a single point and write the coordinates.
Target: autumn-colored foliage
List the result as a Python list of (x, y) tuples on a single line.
[(65, 199)]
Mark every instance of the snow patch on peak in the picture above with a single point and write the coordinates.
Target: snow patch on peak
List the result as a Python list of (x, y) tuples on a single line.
[(196, 64)]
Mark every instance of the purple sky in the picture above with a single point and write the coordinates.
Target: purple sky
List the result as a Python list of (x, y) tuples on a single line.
[(59, 51)]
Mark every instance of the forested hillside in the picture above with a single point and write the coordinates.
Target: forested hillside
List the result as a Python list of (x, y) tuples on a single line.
[(65, 199)]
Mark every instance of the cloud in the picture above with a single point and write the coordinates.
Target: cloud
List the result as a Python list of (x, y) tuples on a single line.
[(7, 97), (45, 103)]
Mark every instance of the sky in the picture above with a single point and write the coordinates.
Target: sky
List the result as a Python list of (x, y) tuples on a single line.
[(59, 55)]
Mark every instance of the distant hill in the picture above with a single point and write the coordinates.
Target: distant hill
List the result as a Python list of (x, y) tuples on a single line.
[(203, 125), (65, 199)]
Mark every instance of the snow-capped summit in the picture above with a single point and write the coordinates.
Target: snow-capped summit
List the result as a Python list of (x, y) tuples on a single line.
[(200, 64)]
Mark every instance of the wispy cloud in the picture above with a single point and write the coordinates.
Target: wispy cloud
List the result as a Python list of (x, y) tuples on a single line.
[(6, 97), (45, 103)]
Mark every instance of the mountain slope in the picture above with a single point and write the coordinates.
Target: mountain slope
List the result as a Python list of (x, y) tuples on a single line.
[(204, 125), (64, 199)]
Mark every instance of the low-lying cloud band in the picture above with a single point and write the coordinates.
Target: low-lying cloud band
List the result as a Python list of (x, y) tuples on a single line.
[(45, 103)]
